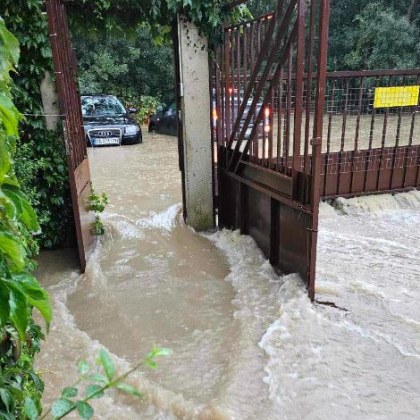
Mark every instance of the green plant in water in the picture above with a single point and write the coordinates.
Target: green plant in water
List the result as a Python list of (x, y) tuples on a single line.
[(97, 202), (98, 228), (96, 383)]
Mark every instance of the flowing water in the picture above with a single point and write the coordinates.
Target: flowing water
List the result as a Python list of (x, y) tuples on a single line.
[(247, 343)]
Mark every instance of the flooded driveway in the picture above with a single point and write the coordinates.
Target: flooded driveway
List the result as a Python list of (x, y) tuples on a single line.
[(247, 344)]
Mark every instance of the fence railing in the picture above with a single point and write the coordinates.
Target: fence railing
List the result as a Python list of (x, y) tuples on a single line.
[(357, 136)]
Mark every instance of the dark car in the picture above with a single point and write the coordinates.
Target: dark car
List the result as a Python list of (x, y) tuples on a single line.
[(107, 122), (165, 120), (235, 104)]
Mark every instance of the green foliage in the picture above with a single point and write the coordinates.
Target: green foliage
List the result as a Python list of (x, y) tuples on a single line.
[(146, 106), (159, 14), (20, 292), (42, 171), (40, 160), (97, 228), (95, 384), (97, 204), (128, 67), (363, 35), (374, 44)]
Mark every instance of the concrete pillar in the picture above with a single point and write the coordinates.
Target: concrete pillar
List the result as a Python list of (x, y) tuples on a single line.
[(195, 115), (50, 102)]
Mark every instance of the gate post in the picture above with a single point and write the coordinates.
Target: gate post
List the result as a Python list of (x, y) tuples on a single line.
[(194, 100)]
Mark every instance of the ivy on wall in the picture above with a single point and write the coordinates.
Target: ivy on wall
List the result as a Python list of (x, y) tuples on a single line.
[(40, 158), (20, 292)]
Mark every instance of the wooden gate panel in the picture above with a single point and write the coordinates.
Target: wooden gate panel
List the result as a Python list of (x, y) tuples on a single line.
[(65, 67)]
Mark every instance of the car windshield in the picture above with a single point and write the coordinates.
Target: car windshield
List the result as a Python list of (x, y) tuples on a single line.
[(99, 106)]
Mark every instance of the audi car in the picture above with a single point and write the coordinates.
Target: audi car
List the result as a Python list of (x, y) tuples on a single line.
[(107, 122)]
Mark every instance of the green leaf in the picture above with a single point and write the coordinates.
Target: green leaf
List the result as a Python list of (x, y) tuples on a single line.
[(25, 212), (150, 363), (83, 367), (9, 116), (95, 390), (129, 389), (4, 304), (10, 41), (18, 312), (61, 407), (31, 411), (107, 364), (35, 295), (153, 354), (69, 392), (97, 377), (84, 409), (7, 398), (13, 250), (5, 160), (161, 351)]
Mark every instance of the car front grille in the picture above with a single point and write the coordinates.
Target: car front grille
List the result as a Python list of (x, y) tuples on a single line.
[(105, 133)]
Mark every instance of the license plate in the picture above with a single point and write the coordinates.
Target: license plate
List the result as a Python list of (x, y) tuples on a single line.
[(102, 141)]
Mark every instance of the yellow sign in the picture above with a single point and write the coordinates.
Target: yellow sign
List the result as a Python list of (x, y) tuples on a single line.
[(387, 97)]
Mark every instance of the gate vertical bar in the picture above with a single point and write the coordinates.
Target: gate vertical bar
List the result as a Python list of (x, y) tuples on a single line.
[(65, 67), (317, 142)]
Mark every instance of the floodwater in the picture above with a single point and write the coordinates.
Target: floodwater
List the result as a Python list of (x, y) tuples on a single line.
[(247, 343)]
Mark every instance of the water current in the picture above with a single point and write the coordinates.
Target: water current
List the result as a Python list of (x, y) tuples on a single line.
[(247, 343)]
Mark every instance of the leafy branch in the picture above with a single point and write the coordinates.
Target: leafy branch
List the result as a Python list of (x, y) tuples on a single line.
[(98, 384), (97, 204)]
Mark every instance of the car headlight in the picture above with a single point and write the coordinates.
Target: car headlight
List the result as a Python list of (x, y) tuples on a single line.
[(131, 130)]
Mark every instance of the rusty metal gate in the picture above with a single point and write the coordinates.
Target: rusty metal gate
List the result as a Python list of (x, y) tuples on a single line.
[(267, 127), (369, 149), (65, 66)]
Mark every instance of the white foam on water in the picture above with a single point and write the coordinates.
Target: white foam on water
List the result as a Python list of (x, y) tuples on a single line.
[(380, 203), (361, 361), (290, 358), (165, 220)]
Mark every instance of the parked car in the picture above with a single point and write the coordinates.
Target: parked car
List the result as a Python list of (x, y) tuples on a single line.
[(107, 122), (235, 104), (165, 120)]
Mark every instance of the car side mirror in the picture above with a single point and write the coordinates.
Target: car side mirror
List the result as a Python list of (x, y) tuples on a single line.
[(132, 110)]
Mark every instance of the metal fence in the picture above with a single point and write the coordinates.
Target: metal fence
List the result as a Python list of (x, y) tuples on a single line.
[(365, 148), (370, 148)]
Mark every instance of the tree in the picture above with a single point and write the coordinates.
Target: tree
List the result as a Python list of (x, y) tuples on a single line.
[(382, 39), (126, 66)]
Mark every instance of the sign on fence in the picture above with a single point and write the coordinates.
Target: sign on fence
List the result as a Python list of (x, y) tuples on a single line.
[(388, 97)]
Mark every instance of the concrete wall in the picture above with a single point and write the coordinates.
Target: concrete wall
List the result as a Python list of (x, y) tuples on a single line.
[(50, 102), (195, 115)]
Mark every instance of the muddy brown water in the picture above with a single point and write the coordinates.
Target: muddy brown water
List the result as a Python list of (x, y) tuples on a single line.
[(247, 343)]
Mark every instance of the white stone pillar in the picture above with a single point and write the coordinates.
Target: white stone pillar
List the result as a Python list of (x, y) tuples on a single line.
[(50, 102), (195, 115)]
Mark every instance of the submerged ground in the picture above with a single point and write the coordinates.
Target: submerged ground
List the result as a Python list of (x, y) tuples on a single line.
[(247, 343)]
